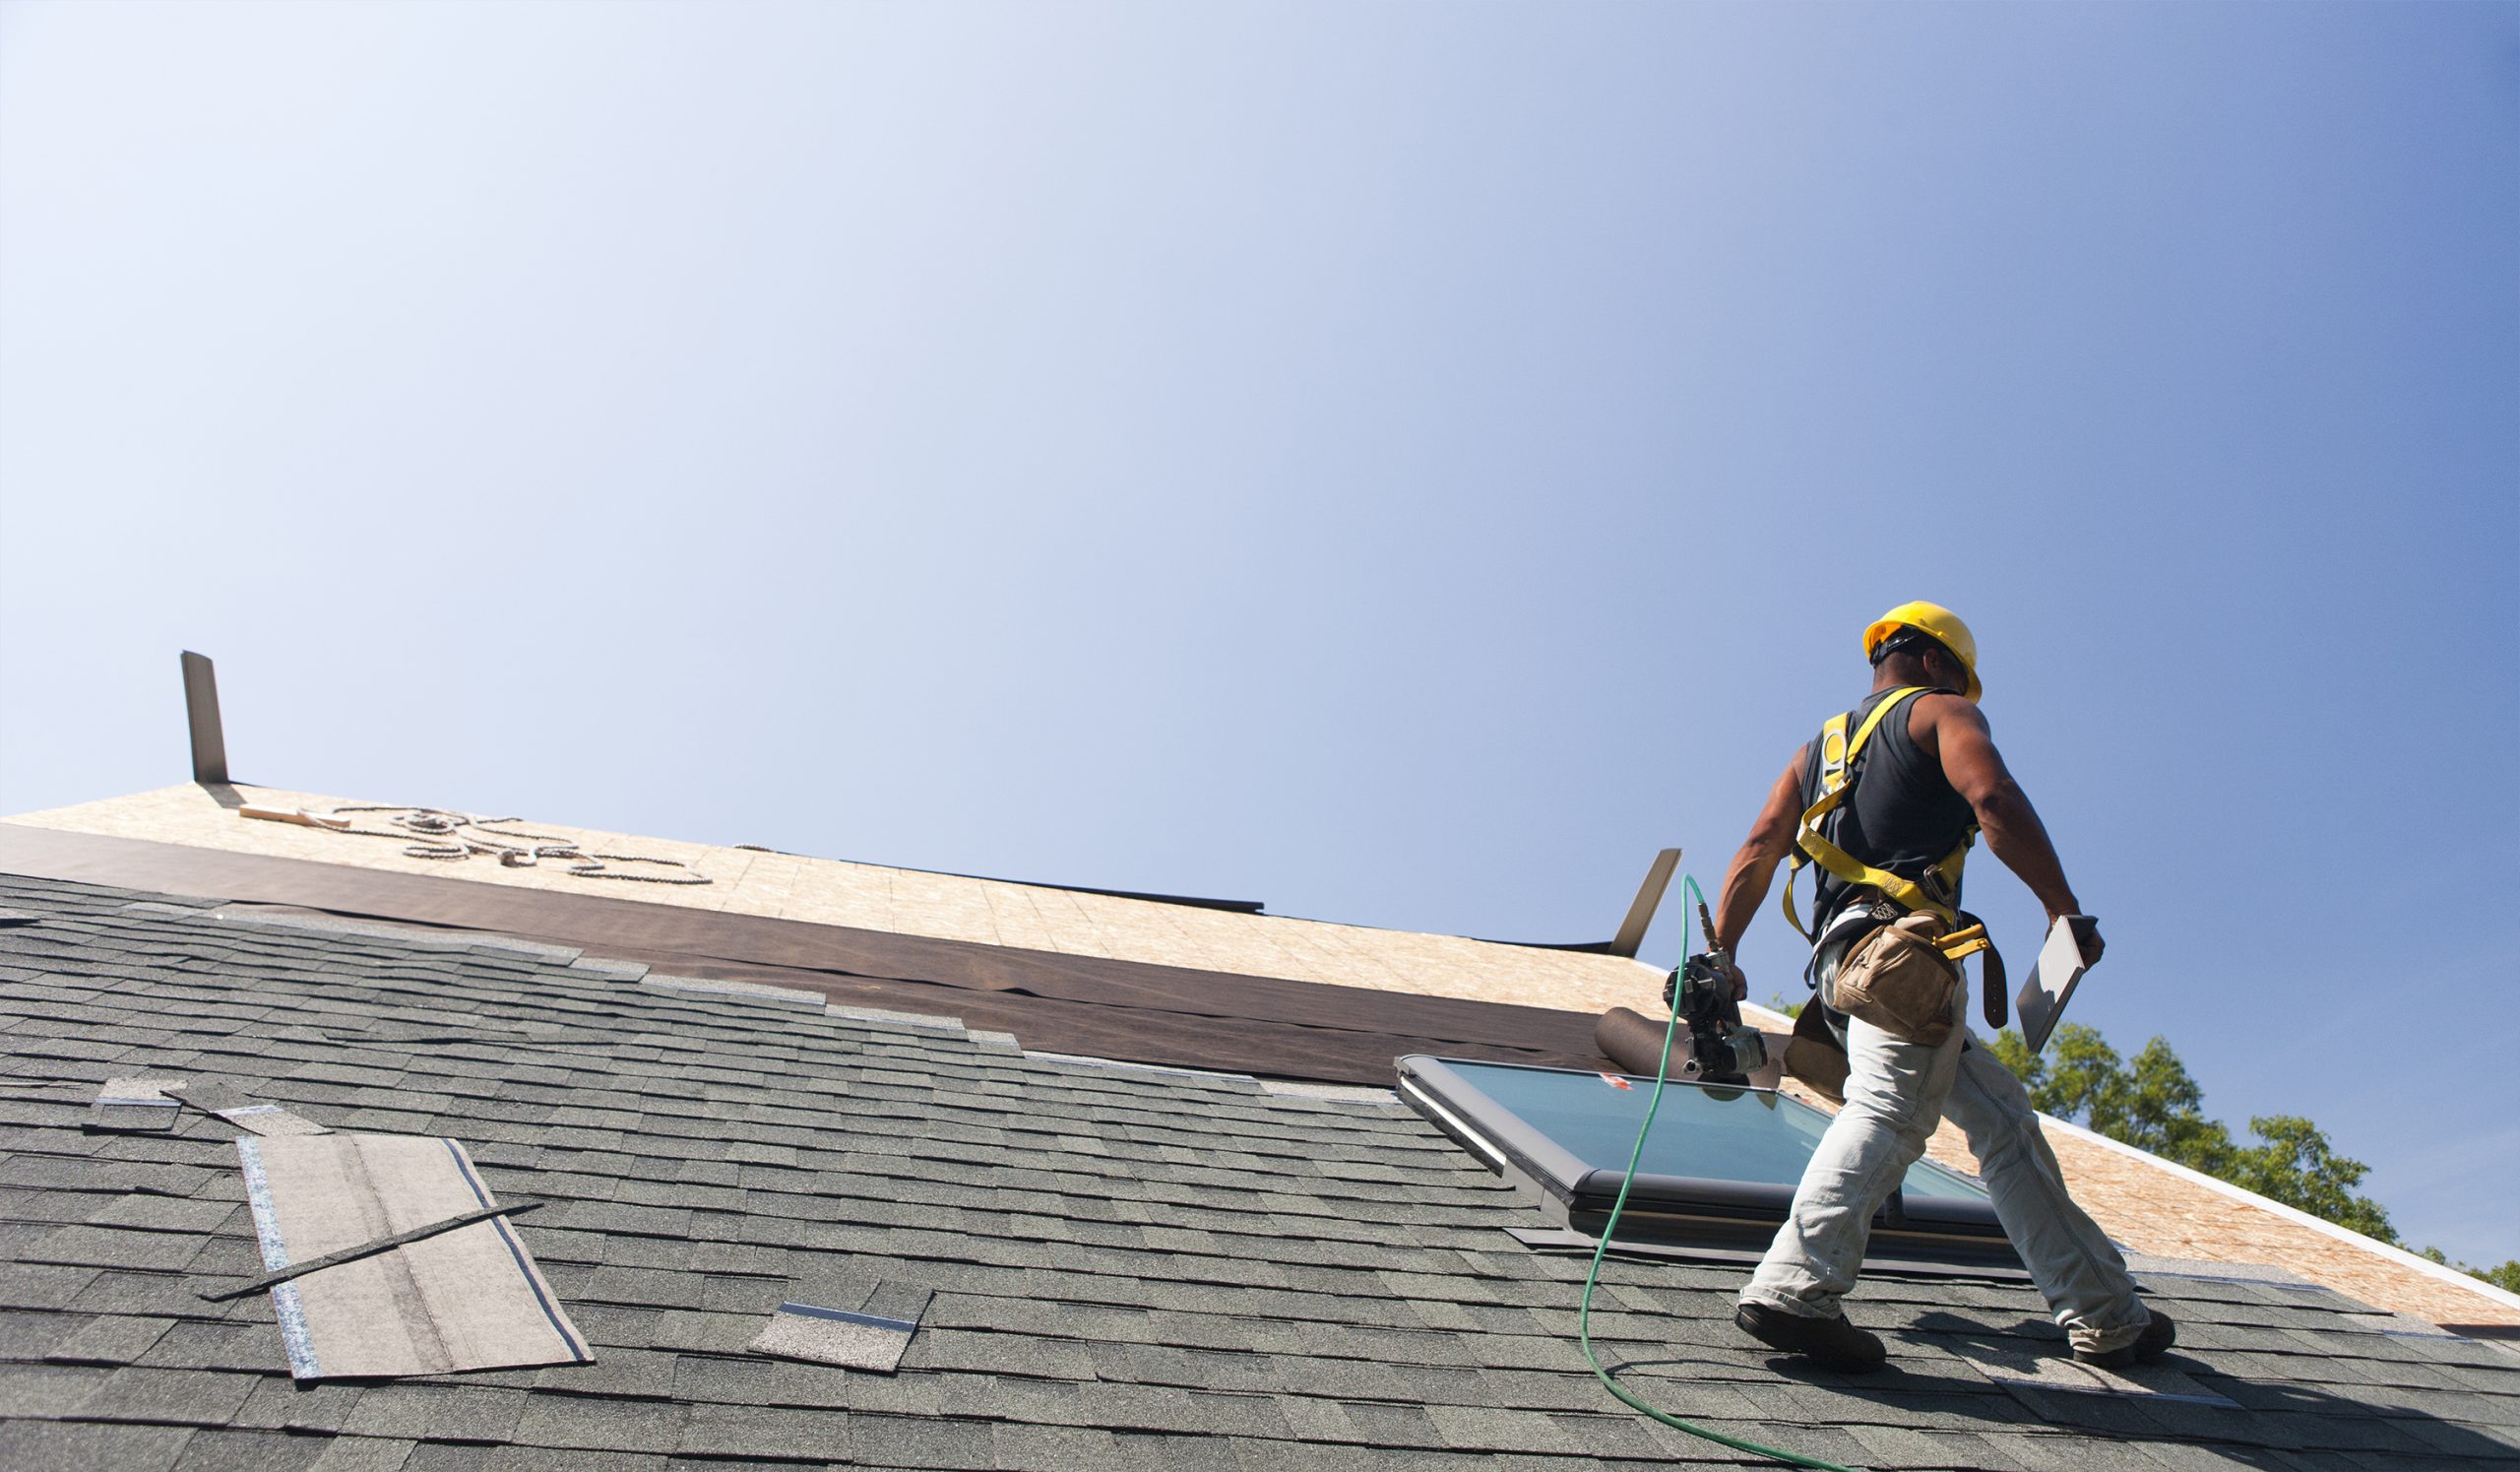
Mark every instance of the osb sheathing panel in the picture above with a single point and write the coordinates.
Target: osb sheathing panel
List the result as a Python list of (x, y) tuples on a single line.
[(2146, 1207), (986, 911)]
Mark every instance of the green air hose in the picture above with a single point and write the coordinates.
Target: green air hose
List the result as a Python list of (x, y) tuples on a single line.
[(1584, 1320)]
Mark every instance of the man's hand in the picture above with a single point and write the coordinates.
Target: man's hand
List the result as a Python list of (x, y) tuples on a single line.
[(2086, 935), (1731, 973)]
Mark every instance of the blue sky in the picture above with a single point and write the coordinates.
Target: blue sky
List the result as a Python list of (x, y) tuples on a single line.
[(1403, 464)]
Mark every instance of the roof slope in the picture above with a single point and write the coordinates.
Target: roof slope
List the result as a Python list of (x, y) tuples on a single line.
[(1133, 1268), (949, 906)]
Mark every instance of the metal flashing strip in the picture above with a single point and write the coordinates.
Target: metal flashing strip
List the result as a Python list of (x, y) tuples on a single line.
[(455, 1297)]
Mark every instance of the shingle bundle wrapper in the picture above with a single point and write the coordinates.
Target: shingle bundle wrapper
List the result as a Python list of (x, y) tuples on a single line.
[(872, 1337), (467, 1299)]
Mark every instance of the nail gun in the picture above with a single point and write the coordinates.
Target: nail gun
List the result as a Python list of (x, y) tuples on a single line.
[(1722, 1048)]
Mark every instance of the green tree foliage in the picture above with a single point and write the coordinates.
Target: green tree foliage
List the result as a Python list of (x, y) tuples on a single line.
[(2506, 1277), (2153, 1104)]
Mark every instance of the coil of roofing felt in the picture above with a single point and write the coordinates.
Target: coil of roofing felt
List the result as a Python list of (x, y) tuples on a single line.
[(1631, 1040)]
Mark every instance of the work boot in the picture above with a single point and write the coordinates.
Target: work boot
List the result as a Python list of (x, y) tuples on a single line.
[(1831, 1342), (2153, 1343)]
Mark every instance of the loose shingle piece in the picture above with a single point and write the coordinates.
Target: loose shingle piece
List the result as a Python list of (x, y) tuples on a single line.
[(794, 1236), (467, 1299), (872, 1337), (244, 1112), (135, 1106)]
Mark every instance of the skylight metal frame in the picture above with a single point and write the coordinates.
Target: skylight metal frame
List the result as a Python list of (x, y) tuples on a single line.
[(1726, 1217)]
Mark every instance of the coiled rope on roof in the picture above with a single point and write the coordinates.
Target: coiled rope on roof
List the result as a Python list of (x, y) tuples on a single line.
[(452, 837)]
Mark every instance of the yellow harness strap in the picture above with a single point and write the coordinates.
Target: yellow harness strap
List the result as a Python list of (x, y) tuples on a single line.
[(1837, 767)]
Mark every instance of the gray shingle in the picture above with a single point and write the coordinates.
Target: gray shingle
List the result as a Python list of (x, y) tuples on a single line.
[(1137, 1268), (602, 1424), (922, 1442), (435, 1412), (809, 1436), (249, 1451), (62, 1447), (364, 1454)]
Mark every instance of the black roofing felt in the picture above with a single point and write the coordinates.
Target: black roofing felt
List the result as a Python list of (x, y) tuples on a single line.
[(1131, 1268)]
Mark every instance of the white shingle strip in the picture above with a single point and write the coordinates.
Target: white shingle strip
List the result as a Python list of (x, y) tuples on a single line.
[(466, 1299)]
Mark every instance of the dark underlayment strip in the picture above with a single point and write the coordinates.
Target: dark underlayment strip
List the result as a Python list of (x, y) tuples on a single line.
[(1130, 1010)]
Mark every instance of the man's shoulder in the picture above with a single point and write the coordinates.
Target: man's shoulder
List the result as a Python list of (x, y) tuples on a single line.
[(1928, 710)]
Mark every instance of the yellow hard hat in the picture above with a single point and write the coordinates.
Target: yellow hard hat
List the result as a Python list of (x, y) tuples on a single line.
[(1935, 619)]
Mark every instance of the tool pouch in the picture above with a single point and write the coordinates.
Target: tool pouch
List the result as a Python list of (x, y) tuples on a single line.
[(1900, 980), (1814, 1054)]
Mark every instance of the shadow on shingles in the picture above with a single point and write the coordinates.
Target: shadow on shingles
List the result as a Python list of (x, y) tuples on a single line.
[(223, 793), (2266, 1423)]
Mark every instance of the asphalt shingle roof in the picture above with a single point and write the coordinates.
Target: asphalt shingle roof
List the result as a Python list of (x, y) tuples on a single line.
[(1132, 1268)]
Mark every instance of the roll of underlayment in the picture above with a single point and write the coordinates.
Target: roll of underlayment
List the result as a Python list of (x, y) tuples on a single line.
[(1633, 1041)]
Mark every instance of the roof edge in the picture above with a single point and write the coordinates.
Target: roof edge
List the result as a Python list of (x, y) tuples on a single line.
[(2400, 1257)]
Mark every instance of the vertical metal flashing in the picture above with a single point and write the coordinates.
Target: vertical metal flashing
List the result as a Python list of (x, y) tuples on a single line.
[(1649, 898), (201, 711)]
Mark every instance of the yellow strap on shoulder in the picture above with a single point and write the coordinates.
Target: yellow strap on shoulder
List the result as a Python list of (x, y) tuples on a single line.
[(1845, 865), (1834, 756)]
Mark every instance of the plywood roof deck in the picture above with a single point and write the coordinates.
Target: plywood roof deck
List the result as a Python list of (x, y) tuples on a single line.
[(869, 896)]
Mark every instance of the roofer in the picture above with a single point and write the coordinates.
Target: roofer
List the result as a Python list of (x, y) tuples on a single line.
[(1887, 800)]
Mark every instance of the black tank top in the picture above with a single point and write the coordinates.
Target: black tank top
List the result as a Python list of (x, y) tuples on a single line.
[(1905, 815)]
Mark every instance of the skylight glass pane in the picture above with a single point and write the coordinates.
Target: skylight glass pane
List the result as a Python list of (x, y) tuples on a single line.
[(1727, 1134)]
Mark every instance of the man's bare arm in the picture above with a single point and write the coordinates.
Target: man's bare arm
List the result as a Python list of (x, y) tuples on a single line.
[(1754, 869), (1975, 770)]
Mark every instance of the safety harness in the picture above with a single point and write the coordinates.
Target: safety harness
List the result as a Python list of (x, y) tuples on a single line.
[(1935, 892)]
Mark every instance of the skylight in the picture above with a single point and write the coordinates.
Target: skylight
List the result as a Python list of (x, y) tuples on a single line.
[(1717, 1172)]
